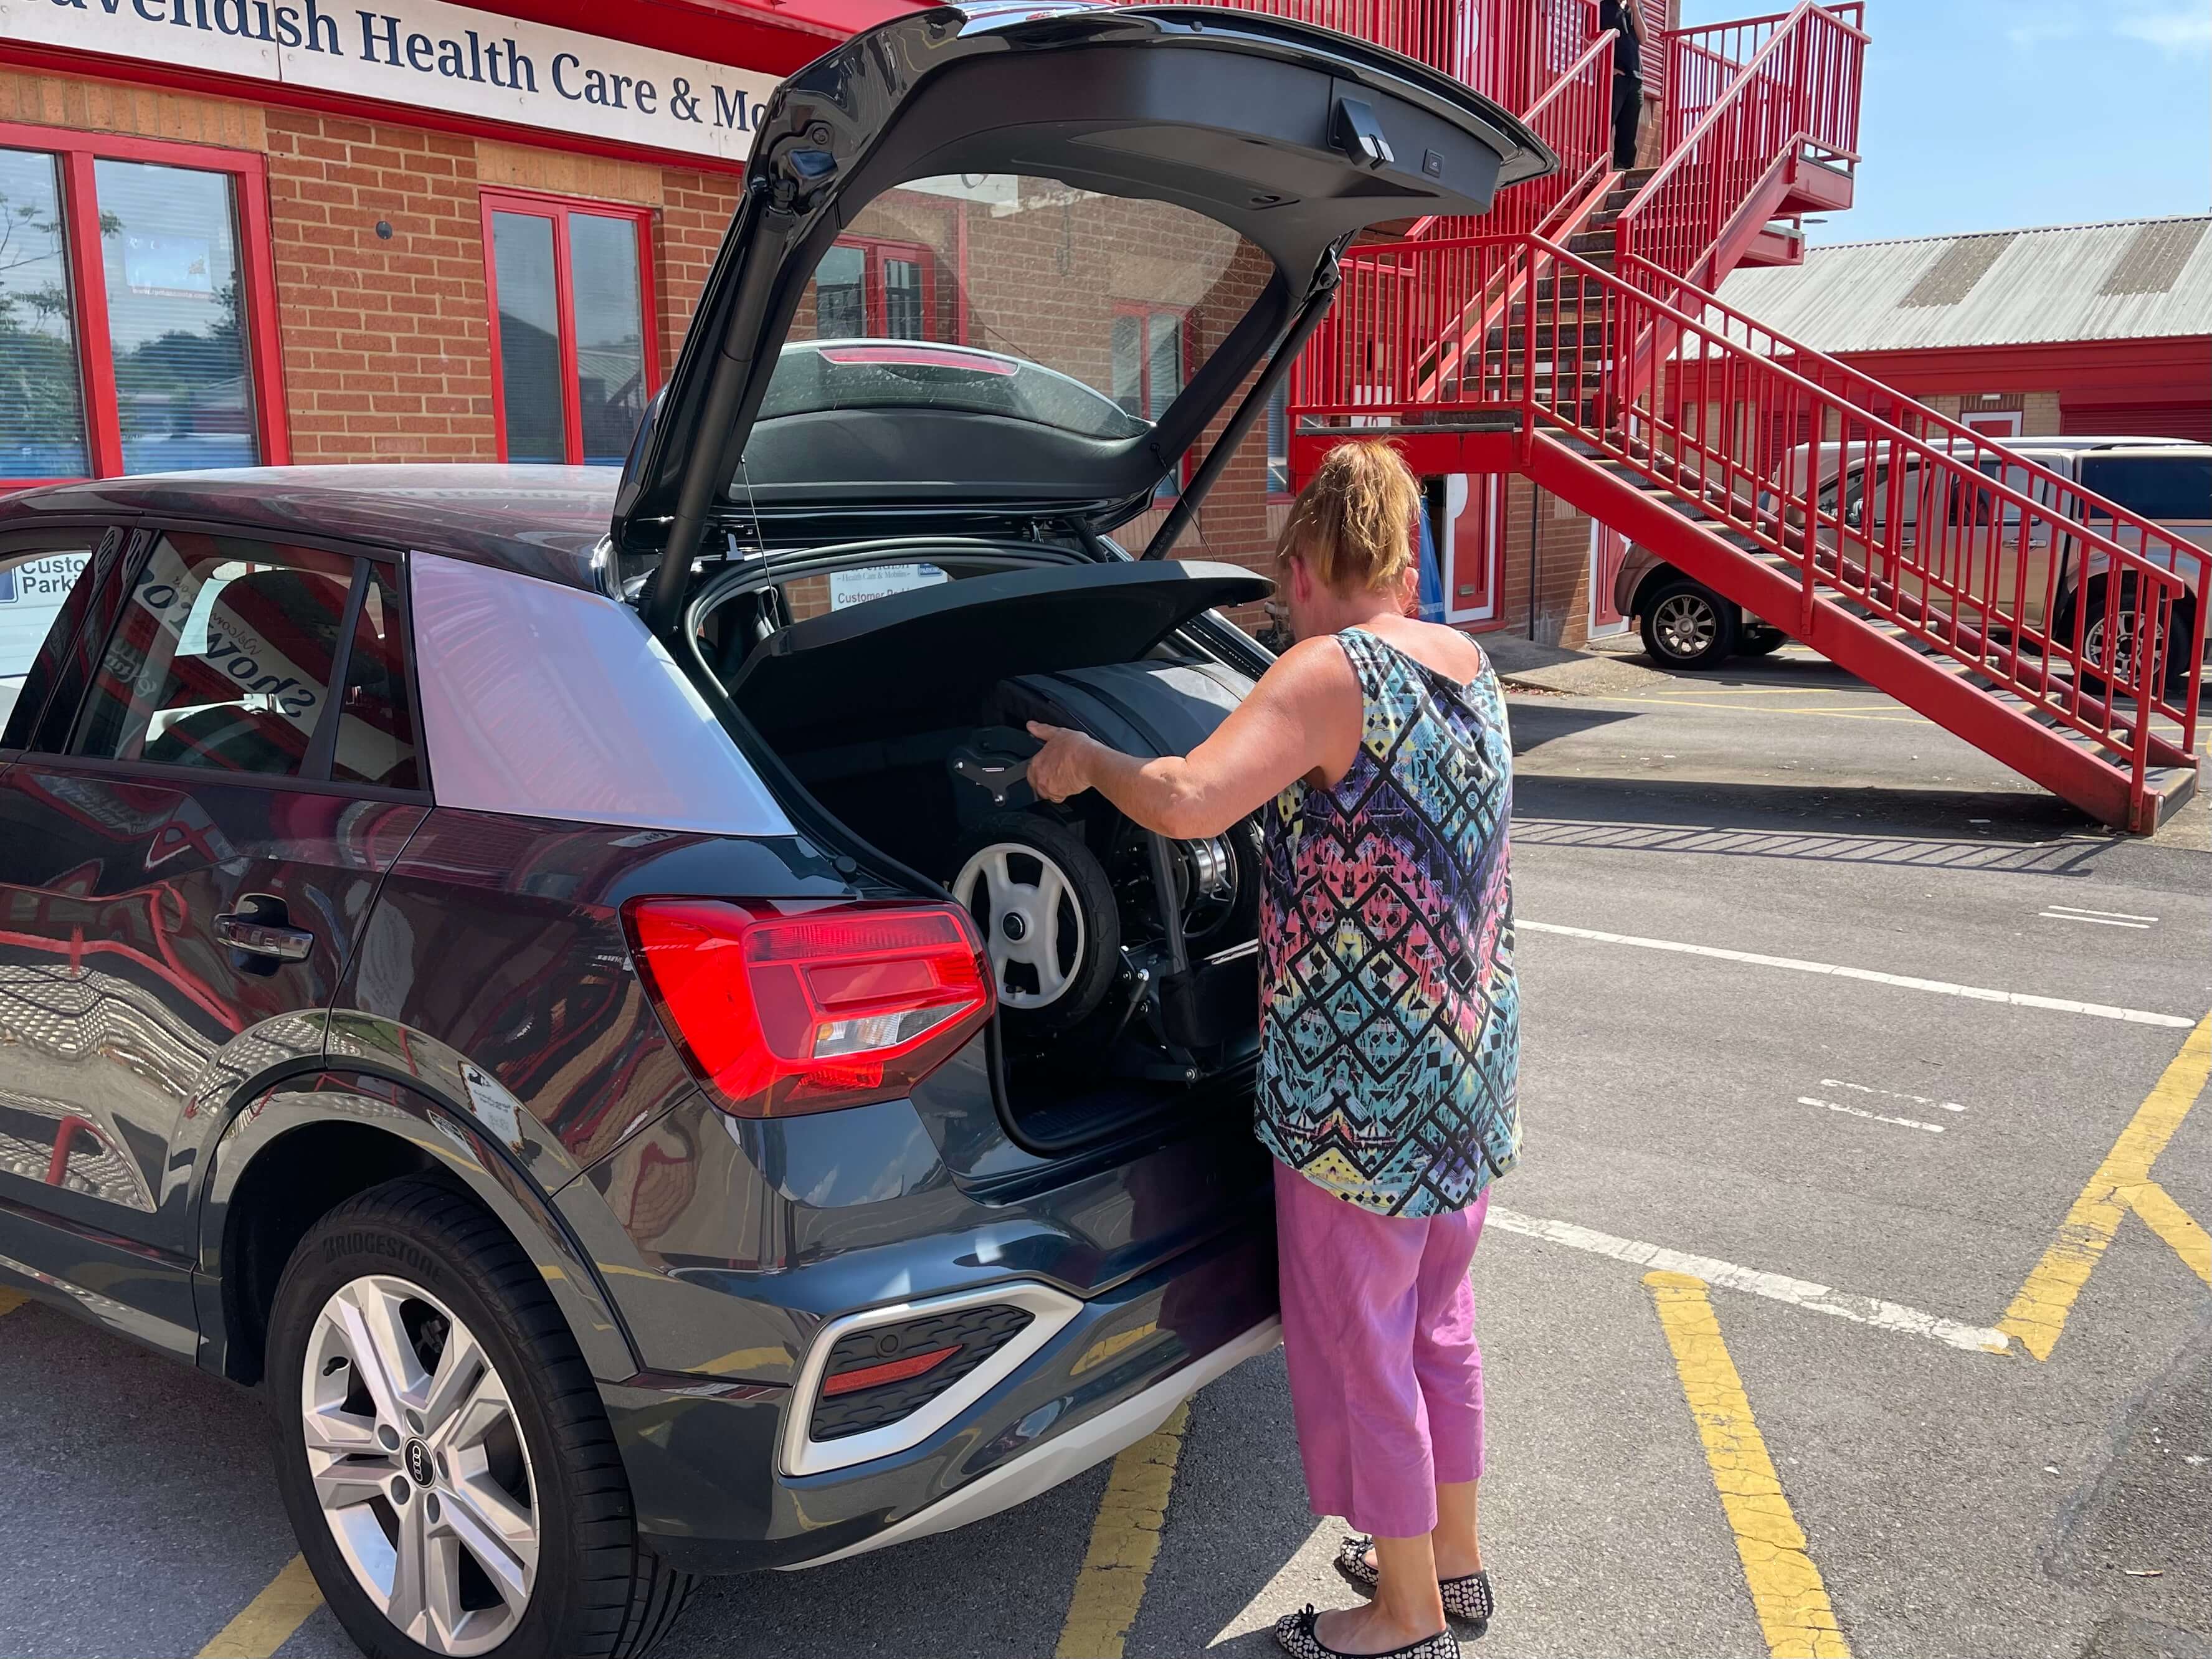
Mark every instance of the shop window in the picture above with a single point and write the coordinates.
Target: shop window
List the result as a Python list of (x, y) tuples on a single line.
[(573, 321), (135, 334), (1150, 366), (869, 289)]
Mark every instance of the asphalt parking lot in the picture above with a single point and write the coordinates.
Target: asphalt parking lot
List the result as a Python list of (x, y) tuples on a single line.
[(1853, 1297)]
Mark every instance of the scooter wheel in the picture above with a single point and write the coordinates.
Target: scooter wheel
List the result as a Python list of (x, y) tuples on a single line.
[(1046, 914)]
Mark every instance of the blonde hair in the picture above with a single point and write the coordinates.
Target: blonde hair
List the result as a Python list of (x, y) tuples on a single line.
[(1354, 522)]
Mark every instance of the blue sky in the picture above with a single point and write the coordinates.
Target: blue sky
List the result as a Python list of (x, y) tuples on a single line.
[(1994, 114)]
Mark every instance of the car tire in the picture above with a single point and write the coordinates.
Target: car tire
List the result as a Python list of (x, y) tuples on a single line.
[(1010, 869), (2128, 623), (1759, 641), (407, 1279), (1685, 625)]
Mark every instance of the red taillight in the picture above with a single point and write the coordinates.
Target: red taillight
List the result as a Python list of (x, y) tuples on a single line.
[(802, 1012)]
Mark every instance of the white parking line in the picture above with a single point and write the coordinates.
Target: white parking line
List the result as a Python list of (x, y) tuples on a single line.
[(2096, 916), (2097, 921), (1901, 982), (1873, 1117), (1775, 1287), (1890, 1094)]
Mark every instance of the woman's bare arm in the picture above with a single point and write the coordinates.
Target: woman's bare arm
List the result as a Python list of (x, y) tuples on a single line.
[(1303, 716)]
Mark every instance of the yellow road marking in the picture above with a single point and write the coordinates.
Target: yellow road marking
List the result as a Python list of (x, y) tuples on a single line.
[(269, 1619), (1125, 1542), (2121, 1184), (10, 1300), (1758, 691), (2176, 1226), (1786, 1592), (1733, 708)]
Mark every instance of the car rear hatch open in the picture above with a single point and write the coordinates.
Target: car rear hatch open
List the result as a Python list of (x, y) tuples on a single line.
[(834, 371)]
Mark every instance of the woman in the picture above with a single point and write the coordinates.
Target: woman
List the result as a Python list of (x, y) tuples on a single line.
[(1376, 746)]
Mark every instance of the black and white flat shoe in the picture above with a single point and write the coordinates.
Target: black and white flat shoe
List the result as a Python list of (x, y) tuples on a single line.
[(1467, 1600), (1295, 1632)]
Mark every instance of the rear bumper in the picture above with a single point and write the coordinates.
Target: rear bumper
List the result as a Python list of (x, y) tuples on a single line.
[(1046, 1465), (707, 1462)]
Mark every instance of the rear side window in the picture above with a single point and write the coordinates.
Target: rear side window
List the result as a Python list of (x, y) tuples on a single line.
[(222, 659), (2160, 487), (227, 656), (44, 596), (375, 739)]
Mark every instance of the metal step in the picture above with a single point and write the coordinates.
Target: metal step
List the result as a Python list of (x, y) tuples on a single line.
[(1515, 336)]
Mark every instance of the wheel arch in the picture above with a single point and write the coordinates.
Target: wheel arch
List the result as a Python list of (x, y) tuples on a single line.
[(2090, 596), (1660, 574), (304, 1145)]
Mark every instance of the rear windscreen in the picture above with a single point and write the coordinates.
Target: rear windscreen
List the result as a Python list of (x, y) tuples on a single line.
[(1017, 296)]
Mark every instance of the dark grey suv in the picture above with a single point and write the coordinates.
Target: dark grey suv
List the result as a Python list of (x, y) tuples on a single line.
[(560, 982)]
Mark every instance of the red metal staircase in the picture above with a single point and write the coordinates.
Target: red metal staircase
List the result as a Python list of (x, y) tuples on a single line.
[(1572, 336)]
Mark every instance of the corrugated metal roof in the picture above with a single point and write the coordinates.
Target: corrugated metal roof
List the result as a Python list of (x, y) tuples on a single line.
[(2137, 279)]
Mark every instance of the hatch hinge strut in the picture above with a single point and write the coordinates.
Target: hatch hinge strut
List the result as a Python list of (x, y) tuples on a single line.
[(1308, 318)]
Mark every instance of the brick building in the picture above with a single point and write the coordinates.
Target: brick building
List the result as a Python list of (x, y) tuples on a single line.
[(240, 231)]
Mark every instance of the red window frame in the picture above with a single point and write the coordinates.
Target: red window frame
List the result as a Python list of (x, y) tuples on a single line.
[(540, 204), (875, 293), (75, 153), (1145, 310)]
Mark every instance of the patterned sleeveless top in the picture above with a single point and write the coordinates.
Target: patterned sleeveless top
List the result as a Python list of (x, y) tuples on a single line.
[(1390, 1027)]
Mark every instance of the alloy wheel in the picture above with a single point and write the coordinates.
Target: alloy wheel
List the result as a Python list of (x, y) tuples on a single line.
[(420, 1465), (1685, 624), (1031, 919), (2124, 626)]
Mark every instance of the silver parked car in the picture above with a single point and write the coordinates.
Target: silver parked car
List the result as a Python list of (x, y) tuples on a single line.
[(1686, 625)]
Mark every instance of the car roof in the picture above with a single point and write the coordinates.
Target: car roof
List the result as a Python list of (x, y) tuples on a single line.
[(2163, 451), (543, 521), (2067, 442)]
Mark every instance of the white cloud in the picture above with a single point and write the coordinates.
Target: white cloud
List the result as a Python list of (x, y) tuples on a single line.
[(2170, 31), (2034, 25)]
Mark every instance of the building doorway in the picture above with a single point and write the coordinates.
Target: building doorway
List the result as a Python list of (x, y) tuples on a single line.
[(1608, 549), (1473, 544)]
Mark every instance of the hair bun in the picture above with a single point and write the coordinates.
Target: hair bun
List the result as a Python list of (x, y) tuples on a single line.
[(1354, 522)]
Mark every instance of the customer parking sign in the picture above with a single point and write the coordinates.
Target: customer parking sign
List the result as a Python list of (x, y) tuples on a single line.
[(30, 594)]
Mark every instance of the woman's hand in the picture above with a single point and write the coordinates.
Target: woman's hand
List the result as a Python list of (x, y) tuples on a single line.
[(1062, 767), (1303, 716)]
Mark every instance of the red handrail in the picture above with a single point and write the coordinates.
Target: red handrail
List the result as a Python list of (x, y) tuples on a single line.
[(1974, 562), (1702, 60), (1432, 32), (1499, 47), (1574, 118), (1799, 90)]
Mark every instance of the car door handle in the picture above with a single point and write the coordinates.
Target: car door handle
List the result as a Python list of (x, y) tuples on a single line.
[(258, 937)]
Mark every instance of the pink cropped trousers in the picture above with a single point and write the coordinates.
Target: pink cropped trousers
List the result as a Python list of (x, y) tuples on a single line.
[(1386, 1377)]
